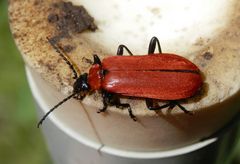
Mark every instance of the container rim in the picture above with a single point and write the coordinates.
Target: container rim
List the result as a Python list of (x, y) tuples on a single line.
[(106, 149)]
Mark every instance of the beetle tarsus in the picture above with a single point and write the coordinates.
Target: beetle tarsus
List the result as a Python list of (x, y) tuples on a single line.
[(102, 110), (133, 117), (104, 107), (184, 109)]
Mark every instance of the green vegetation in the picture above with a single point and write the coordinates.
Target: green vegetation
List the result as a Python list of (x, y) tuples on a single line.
[(20, 141)]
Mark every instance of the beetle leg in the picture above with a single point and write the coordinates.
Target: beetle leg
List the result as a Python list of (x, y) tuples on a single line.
[(170, 105), (115, 100), (151, 106), (152, 45), (121, 48), (183, 109), (105, 102), (175, 103), (103, 109), (112, 99), (122, 106), (96, 60)]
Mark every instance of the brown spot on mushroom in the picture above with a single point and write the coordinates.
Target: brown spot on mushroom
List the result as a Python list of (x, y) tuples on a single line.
[(50, 66), (69, 19), (37, 2), (207, 55), (53, 18)]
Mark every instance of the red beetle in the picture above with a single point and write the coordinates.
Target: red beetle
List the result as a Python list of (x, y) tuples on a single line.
[(156, 76)]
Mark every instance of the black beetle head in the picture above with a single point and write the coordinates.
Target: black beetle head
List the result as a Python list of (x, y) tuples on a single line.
[(81, 85)]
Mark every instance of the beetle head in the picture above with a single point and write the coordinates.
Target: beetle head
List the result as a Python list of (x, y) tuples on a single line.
[(81, 85)]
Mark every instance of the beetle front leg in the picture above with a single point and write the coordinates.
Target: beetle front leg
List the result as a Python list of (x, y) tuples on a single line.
[(122, 106), (105, 102), (114, 100), (121, 48)]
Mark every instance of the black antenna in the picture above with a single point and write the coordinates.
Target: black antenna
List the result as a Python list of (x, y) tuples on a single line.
[(51, 110), (60, 51)]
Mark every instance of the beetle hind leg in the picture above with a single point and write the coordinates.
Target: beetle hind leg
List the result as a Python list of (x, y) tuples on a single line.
[(151, 106), (184, 109)]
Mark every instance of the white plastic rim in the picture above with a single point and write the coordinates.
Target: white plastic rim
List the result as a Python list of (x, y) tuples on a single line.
[(106, 149)]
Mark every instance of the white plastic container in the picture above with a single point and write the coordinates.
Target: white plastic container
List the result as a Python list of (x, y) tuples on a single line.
[(68, 146)]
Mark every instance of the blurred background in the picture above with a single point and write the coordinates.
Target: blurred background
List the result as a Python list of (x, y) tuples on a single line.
[(20, 141)]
